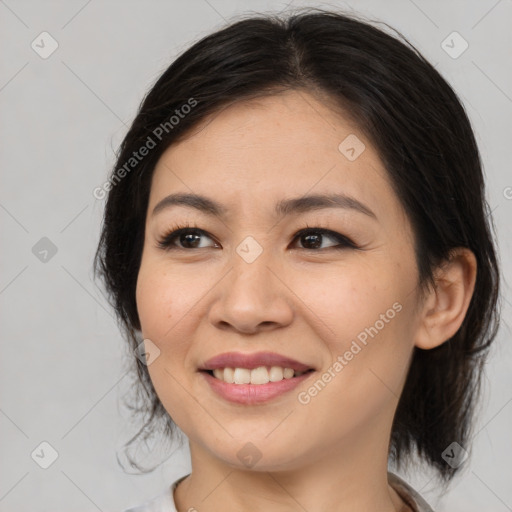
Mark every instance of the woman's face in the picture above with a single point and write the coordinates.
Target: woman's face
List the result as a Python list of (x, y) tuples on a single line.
[(243, 281)]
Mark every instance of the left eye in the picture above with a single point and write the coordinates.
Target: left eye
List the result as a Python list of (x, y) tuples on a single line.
[(311, 239)]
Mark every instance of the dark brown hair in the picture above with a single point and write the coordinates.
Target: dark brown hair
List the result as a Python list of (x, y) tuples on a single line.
[(422, 135)]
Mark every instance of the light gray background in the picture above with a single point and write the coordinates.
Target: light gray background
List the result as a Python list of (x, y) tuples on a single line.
[(62, 371)]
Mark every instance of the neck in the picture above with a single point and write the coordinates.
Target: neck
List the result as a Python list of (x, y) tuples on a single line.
[(352, 477)]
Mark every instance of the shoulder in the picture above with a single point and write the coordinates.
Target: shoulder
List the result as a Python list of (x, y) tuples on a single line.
[(412, 497), (163, 502)]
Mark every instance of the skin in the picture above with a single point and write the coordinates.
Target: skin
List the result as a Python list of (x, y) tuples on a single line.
[(308, 304)]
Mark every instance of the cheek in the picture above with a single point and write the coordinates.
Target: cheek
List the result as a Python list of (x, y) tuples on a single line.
[(164, 297), (348, 298), (154, 302), (366, 325)]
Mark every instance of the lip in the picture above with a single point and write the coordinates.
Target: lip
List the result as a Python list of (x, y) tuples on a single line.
[(255, 360), (251, 394)]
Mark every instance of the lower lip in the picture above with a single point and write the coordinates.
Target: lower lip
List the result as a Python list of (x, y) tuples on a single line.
[(250, 394)]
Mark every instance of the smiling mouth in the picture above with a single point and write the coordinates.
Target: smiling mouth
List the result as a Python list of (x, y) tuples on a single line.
[(257, 376)]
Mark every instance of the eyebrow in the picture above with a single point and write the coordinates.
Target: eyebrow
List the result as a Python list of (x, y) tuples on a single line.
[(282, 208)]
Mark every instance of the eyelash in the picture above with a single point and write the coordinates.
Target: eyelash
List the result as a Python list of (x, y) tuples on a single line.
[(166, 242)]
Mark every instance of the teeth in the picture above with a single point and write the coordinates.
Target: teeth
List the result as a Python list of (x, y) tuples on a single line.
[(242, 376), (260, 375), (229, 375), (276, 374)]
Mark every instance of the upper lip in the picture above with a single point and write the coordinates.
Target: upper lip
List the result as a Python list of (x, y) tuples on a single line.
[(251, 361)]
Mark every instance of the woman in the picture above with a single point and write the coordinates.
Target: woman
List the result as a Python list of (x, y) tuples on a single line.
[(297, 243)]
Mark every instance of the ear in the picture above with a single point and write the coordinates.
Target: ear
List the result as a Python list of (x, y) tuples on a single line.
[(445, 307)]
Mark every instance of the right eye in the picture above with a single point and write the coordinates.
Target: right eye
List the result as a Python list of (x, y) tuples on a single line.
[(188, 238)]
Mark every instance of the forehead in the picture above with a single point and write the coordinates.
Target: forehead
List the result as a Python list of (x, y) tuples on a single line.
[(274, 147)]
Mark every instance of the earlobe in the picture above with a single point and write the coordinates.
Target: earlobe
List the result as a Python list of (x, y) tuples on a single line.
[(445, 307)]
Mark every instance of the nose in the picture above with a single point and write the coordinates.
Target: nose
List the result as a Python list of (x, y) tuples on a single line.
[(252, 298)]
